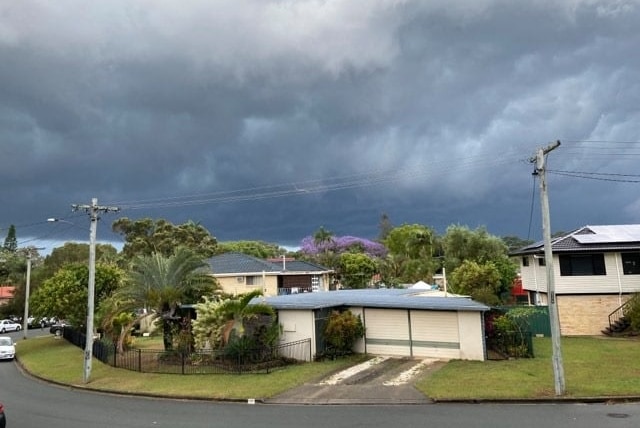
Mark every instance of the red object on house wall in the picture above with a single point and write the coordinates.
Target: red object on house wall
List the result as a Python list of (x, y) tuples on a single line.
[(518, 295), (6, 293), (516, 288)]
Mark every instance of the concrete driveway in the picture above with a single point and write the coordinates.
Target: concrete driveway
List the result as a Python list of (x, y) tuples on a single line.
[(380, 380)]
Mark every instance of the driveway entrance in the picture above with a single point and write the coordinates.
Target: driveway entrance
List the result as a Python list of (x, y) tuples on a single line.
[(380, 380)]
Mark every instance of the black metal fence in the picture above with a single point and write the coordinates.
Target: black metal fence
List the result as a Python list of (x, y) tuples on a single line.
[(262, 360)]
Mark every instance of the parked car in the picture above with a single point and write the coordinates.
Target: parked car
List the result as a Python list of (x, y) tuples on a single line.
[(9, 325), (57, 327), (3, 417), (7, 348), (35, 322)]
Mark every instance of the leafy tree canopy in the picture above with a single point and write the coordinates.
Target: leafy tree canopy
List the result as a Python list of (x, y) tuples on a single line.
[(146, 236), (260, 249), (12, 266), (11, 241), (514, 243), (13, 269), (411, 254), (411, 241), (489, 253), (461, 243), (480, 281), (65, 294), (73, 252), (356, 270)]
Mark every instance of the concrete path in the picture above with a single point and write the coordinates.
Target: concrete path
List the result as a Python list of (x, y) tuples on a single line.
[(380, 380)]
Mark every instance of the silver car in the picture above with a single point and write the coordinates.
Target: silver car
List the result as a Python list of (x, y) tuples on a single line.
[(9, 325), (7, 348)]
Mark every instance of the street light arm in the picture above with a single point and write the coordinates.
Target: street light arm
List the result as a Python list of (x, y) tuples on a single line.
[(58, 220)]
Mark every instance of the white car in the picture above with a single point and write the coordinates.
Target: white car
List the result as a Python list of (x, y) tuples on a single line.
[(8, 325), (7, 348)]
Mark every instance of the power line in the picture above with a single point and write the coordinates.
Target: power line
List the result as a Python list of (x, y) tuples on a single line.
[(592, 176), (353, 181), (602, 141), (595, 173)]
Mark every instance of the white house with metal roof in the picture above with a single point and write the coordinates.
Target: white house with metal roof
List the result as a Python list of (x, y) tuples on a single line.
[(596, 269), (398, 322)]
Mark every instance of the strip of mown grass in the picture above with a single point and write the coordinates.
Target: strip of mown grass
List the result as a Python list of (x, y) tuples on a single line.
[(57, 360), (593, 366)]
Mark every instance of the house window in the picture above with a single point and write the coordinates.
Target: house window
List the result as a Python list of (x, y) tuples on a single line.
[(253, 280), (631, 263), (541, 261), (525, 261), (582, 264)]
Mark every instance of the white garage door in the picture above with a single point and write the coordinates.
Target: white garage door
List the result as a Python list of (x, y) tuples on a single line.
[(435, 334), (387, 332)]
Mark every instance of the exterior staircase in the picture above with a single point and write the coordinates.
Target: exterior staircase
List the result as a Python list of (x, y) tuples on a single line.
[(618, 322), (617, 327)]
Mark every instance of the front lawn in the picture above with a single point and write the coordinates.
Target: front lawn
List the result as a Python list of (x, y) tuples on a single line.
[(593, 366), (59, 361)]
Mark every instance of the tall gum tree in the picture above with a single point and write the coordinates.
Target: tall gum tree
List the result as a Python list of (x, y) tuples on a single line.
[(147, 236)]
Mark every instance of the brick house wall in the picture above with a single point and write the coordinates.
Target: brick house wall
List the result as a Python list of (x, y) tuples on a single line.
[(586, 314)]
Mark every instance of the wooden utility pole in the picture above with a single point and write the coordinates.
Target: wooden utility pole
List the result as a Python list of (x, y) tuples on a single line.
[(27, 286), (93, 211), (554, 320)]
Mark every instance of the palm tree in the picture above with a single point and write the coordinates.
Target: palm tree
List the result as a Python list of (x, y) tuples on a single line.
[(238, 310), (162, 283), (325, 244), (322, 237)]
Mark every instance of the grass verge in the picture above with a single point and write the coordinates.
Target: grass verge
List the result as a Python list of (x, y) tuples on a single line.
[(58, 361), (593, 367)]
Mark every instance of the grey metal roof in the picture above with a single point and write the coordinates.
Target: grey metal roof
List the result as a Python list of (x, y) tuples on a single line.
[(625, 237), (373, 298), (238, 263)]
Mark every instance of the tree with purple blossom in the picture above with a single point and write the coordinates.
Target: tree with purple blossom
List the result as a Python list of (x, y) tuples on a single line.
[(328, 250), (342, 244)]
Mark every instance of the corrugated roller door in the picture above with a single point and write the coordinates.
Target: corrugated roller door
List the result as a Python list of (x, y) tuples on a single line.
[(435, 334), (387, 332)]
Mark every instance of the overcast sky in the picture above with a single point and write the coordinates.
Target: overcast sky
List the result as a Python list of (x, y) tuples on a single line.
[(265, 120)]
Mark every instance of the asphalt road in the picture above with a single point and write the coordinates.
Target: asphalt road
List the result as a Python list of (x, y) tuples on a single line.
[(34, 404)]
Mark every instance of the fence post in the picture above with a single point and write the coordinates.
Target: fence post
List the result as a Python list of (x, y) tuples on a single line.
[(182, 354), (115, 355), (140, 360)]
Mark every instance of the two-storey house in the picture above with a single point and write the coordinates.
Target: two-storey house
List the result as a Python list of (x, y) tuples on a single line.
[(595, 269)]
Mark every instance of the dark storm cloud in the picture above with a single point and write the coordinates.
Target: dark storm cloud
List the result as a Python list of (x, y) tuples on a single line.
[(427, 111)]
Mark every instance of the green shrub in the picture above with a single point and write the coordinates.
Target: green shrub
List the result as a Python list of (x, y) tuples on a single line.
[(342, 330), (240, 348), (632, 312)]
